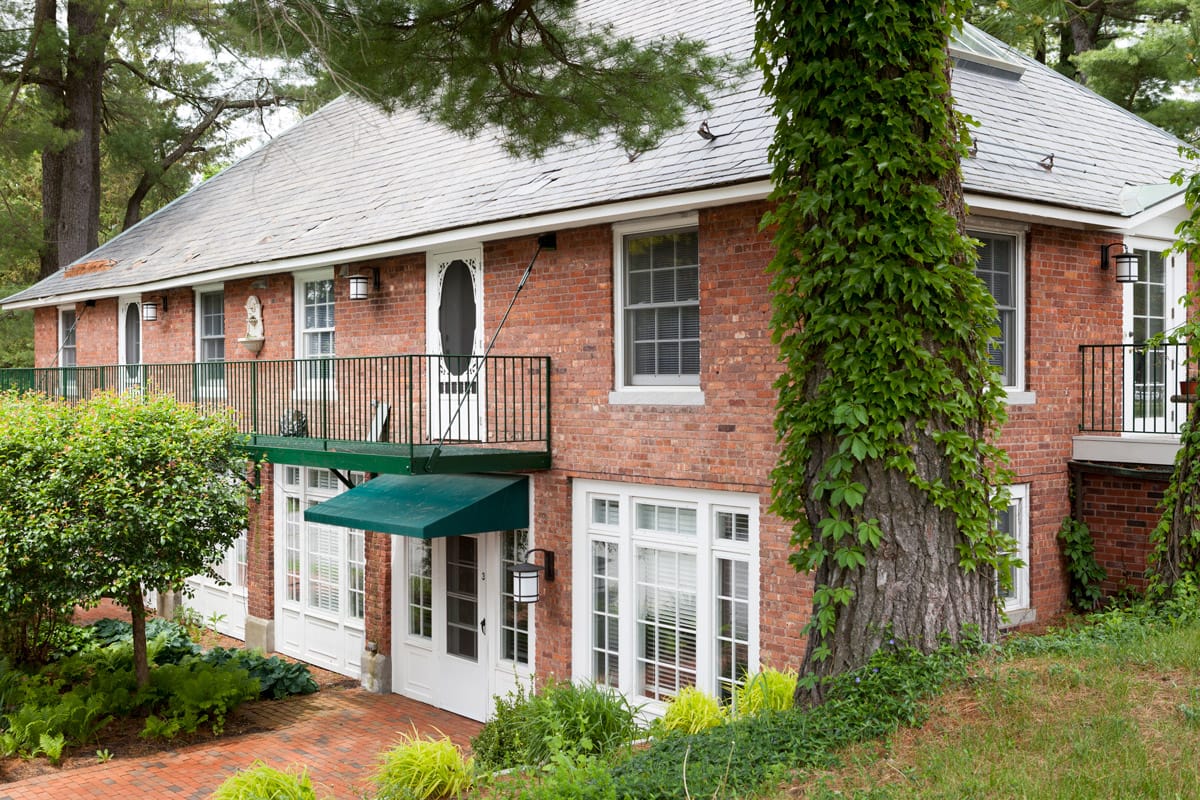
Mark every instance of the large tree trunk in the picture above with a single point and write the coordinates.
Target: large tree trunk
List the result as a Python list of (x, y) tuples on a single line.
[(52, 159), (78, 224), (887, 395)]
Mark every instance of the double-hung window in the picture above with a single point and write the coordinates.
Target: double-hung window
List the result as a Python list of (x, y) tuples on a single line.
[(668, 583), (1001, 268), (210, 340), (1014, 521), (67, 320), (315, 326), (658, 305)]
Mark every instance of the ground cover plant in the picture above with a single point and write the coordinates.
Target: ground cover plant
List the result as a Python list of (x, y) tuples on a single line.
[(92, 683), (1032, 721)]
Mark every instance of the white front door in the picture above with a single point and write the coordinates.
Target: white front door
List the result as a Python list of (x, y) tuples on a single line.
[(454, 325), (465, 688), (1152, 374), (458, 636)]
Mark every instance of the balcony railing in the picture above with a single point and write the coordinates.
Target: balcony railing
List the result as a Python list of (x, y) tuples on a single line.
[(407, 413), (1129, 388)]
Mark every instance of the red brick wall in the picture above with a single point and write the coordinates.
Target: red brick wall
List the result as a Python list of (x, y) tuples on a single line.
[(260, 549), (728, 444), (1071, 302), (1121, 511)]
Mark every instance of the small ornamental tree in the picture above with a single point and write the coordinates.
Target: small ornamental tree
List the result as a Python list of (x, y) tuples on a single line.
[(150, 492), (40, 580), (887, 397)]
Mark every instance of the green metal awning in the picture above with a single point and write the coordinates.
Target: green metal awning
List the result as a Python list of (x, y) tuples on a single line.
[(429, 506)]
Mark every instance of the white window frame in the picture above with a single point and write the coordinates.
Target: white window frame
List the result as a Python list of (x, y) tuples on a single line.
[(703, 544), (313, 388), (308, 496), (63, 347), (1015, 389), (129, 375), (625, 392), (209, 387), (1017, 608)]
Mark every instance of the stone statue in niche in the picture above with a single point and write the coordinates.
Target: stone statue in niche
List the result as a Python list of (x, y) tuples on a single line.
[(254, 321)]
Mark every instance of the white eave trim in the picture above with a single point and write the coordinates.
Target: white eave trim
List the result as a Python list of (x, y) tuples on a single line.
[(504, 229), (1031, 211)]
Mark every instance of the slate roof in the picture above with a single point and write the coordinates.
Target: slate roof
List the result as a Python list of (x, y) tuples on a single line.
[(351, 175)]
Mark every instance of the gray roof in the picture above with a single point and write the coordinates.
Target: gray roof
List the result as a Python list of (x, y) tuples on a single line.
[(351, 175)]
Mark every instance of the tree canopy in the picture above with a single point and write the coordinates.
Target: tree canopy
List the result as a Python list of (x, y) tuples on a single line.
[(533, 71), (1143, 55), (112, 497)]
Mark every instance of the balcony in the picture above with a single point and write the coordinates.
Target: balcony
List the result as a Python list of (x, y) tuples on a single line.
[(1132, 404), (408, 414)]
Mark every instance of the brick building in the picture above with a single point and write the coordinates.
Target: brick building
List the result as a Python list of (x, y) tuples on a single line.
[(343, 289)]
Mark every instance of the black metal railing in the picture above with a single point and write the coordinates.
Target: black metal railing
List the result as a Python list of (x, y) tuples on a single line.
[(1130, 388), (404, 400)]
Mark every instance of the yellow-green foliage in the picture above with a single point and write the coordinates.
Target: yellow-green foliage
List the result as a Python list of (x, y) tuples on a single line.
[(692, 711), (423, 769), (769, 690), (260, 782)]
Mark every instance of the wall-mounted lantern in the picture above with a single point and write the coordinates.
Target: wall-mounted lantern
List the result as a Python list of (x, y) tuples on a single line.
[(150, 309), (1127, 262), (525, 577), (360, 288)]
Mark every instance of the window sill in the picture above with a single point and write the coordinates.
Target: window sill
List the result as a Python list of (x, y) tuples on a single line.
[(1017, 617), (1015, 398), (656, 397)]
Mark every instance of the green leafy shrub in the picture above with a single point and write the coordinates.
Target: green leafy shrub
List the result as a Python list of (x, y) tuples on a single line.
[(167, 642), (691, 711), (423, 769), (1085, 573), (564, 778), (260, 782), (769, 690), (500, 743), (196, 691), (582, 719), (277, 678)]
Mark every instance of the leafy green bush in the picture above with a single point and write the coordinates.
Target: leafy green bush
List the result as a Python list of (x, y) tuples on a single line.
[(1084, 571), (500, 743), (750, 753), (769, 690), (277, 678), (691, 711), (196, 691), (527, 729), (167, 642), (582, 719), (260, 782), (422, 769)]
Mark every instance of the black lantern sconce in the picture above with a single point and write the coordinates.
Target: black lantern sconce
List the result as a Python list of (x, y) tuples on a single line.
[(1127, 262), (360, 289), (525, 577), (150, 309)]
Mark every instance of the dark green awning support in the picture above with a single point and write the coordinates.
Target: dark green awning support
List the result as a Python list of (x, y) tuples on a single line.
[(429, 506)]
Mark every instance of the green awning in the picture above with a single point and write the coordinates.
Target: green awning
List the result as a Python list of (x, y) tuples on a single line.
[(429, 506)]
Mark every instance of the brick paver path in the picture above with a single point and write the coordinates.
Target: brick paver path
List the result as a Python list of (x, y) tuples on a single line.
[(337, 734)]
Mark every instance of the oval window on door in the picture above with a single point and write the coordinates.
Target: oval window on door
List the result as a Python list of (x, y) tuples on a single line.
[(456, 317), (133, 334)]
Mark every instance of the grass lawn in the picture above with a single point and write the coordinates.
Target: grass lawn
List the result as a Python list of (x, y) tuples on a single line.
[(1098, 717)]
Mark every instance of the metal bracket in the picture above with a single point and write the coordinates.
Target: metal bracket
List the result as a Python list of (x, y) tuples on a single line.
[(344, 479)]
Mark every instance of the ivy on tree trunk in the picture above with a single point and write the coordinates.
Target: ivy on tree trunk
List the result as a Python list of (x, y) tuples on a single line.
[(887, 397)]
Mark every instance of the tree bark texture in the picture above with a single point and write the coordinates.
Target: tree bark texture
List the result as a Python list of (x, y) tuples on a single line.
[(137, 617), (50, 82), (78, 222)]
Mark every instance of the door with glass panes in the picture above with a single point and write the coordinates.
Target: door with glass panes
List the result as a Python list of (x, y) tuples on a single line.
[(1152, 373), (463, 637)]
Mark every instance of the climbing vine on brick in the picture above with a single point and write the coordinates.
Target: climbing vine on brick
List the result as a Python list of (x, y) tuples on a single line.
[(887, 398)]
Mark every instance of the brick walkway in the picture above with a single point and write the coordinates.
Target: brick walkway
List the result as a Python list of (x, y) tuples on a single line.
[(337, 734)]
